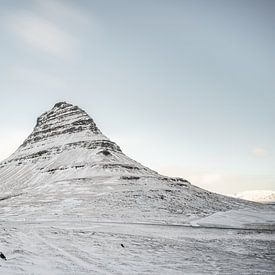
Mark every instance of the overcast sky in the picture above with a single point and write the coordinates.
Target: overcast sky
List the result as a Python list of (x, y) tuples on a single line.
[(185, 87)]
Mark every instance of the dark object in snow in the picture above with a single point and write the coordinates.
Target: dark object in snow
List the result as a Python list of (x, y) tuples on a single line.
[(105, 153), (2, 256), (130, 178), (122, 245)]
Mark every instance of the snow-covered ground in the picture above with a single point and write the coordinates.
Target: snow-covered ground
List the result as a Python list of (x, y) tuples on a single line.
[(87, 247), (245, 218), (71, 202)]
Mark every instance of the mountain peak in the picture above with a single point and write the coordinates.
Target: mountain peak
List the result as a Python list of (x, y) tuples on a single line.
[(62, 104), (62, 119), (64, 129)]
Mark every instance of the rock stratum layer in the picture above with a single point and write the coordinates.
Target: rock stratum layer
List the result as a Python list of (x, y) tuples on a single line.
[(67, 167)]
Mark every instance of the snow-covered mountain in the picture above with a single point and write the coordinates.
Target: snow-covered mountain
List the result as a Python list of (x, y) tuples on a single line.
[(265, 196), (71, 202), (68, 164)]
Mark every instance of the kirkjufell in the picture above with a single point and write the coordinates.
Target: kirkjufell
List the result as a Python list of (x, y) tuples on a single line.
[(67, 157), (70, 193)]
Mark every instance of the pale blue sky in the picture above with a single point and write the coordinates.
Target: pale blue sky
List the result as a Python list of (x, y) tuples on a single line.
[(185, 87)]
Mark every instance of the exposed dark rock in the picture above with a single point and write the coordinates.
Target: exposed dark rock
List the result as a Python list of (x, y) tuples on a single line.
[(118, 165), (177, 181), (59, 104), (83, 122), (104, 152), (62, 119), (130, 178), (2, 256), (9, 197), (79, 166)]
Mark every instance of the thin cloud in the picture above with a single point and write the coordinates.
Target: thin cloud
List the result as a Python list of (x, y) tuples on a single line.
[(35, 76), (42, 34), (260, 152), (64, 10)]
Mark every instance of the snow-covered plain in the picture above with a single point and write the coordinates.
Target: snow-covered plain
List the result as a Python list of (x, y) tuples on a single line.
[(72, 203), (86, 247)]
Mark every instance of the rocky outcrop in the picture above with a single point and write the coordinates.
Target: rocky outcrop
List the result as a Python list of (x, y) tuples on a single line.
[(62, 119)]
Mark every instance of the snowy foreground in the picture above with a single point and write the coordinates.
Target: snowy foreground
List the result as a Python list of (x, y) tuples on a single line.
[(89, 247), (71, 202), (232, 242)]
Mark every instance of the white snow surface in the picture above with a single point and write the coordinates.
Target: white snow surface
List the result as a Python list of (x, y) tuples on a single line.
[(69, 197), (245, 218)]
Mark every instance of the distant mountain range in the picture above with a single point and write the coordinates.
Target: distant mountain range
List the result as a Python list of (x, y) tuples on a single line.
[(265, 196)]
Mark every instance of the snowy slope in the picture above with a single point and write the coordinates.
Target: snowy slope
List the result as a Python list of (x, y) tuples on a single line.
[(245, 218), (265, 196)]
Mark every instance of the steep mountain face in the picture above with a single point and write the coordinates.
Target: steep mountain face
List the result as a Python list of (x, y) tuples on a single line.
[(66, 144), (67, 167)]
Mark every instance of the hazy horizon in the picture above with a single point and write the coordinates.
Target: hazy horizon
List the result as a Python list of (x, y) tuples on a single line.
[(186, 88)]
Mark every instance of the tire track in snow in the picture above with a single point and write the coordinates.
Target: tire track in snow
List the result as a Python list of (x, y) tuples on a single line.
[(83, 264)]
